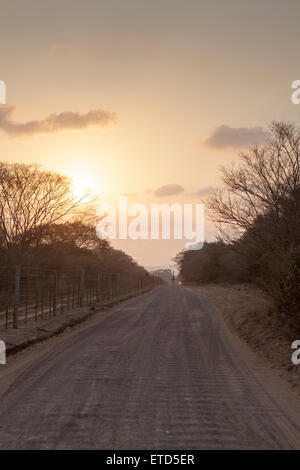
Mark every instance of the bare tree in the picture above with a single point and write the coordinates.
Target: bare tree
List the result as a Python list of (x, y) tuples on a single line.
[(260, 204), (30, 199), (264, 179)]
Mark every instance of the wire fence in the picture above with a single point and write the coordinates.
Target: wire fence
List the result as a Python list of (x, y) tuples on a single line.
[(32, 294)]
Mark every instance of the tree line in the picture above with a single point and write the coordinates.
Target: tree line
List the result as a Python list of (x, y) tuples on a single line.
[(257, 212), (43, 224)]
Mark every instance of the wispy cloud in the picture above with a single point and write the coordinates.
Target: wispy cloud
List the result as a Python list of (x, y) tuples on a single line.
[(207, 191), (66, 120), (239, 137), (169, 190), (202, 193)]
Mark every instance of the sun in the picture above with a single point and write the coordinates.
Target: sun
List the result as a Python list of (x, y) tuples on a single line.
[(83, 184)]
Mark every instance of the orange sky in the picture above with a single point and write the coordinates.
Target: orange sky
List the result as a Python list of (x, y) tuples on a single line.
[(172, 71)]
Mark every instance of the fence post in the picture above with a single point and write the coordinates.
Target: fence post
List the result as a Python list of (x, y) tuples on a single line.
[(81, 289), (117, 284), (17, 295), (54, 293), (98, 288), (111, 285), (102, 286), (62, 293)]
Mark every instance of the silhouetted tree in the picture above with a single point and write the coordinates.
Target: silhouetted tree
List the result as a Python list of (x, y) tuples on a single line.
[(31, 199), (261, 206)]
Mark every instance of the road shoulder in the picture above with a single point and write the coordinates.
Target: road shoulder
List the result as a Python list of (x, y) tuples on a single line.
[(247, 312)]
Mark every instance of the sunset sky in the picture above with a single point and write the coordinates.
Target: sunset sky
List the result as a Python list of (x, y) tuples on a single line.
[(147, 93)]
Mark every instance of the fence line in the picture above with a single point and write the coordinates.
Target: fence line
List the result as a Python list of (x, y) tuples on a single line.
[(28, 294)]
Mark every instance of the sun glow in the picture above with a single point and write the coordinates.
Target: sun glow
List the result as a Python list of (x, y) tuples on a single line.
[(83, 184)]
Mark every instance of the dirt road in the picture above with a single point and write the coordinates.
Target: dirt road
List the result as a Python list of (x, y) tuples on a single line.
[(163, 372)]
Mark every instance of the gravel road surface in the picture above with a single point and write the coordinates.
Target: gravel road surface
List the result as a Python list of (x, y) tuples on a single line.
[(160, 372)]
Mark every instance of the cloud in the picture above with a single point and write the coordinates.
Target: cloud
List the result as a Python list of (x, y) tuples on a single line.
[(169, 190), (226, 137), (55, 122), (207, 191)]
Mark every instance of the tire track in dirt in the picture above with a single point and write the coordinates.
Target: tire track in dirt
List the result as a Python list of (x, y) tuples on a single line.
[(161, 373)]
